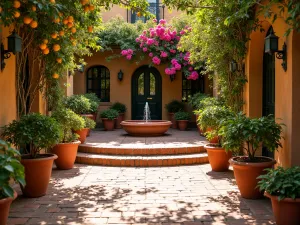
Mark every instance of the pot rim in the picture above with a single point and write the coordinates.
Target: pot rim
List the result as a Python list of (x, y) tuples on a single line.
[(108, 119), (182, 120), (217, 148), (70, 143), (7, 199), (50, 157), (83, 129), (275, 197), (233, 162)]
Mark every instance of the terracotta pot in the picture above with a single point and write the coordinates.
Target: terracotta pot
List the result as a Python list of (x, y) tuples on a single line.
[(182, 124), (82, 134), (286, 211), (37, 174), (218, 158), (246, 174), (66, 153), (4, 208), (91, 116), (120, 118), (89, 132), (215, 140), (108, 124), (172, 119)]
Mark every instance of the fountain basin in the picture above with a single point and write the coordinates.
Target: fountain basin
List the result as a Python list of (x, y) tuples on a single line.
[(146, 129)]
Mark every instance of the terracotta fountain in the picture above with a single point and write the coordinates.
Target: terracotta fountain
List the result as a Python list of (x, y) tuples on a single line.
[(146, 127)]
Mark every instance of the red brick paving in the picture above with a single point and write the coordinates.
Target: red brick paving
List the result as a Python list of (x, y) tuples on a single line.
[(186, 195)]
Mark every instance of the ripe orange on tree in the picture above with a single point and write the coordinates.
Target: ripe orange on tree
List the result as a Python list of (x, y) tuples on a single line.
[(70, 25), (33, 24), (92, 7), (59, 60), (73, 30), (45, 41), (71, 19), (46, 51), (84, 2), (56, 47), (90, 29), (54, 35), (65, 21), (86, 8), (52, 1), (27, 20), (61, 33), (43, 46), (17, 14), (55, 76), (33, 8), (16, 4)]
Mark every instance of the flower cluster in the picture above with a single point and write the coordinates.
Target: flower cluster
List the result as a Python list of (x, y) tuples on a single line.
[(160, 44)]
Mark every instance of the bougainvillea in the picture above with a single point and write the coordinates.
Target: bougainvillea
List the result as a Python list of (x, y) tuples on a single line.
[(160, 44)]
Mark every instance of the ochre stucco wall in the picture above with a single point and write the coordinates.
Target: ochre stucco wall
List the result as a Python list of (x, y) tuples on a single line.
[(287, 83), (121, 90), (7, 86)]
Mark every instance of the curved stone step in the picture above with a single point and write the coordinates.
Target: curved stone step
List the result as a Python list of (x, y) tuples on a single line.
[(141, 161), (142, 151)]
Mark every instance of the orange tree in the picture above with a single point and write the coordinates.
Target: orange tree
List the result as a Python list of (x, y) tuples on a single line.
[(55, 34)]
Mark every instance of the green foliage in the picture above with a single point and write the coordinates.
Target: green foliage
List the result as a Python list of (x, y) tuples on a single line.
[(110, 114), (121, 108), (94, 101), (32, 133), (174, 106), (182, 116), (284, 183), (78, 104), (213, 117), (68, 121), (10, 169), (89, 123), (196, 99), (254, 132)]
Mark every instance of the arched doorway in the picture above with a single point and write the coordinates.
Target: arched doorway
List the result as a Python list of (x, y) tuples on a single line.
[(146, 87), (268, 107)]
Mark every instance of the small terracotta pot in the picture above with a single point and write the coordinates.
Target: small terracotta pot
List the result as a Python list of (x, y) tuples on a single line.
[(286, 211), (218, 158), (4, 208), (172, 119), (37, 174), (120, 118), (246, 174), (108, 124), (91, 116), (66, 153), (215, 140), (82, 134), (182, 124)]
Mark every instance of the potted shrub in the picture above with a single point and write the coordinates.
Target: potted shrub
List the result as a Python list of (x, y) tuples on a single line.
[(282, 186), (121, 109), (173, 107), (108, 117), (79, 104), (66, 149), (94, 101), (250, 134), (89, 124), (11, 170), (182, 119), (32, 134), (211, 120)]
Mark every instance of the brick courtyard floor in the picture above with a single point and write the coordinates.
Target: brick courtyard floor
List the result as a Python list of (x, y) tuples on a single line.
[(186, 195)]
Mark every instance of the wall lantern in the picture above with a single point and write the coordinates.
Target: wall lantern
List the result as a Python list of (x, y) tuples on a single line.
[(120, 75), (271, 47), (172, 77), (233, 66), (14, 46)]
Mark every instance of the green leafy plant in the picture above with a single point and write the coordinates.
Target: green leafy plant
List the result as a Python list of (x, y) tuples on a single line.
[(284, 183), (32, 133), (195, 100), (89, 123), (174, 106), (109, 114), (182, 116), (94, 101), (254, 132), (78, 104), (10, 169), (68, 121), (212, 118), (121, 108)]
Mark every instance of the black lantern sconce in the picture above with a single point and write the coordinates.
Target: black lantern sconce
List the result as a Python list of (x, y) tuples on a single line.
[(271, 47), (14, 46), (234, 66), (120, 75)]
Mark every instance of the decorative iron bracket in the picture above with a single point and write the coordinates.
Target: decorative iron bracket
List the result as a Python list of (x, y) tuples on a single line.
[(5, 54), (282, 55)]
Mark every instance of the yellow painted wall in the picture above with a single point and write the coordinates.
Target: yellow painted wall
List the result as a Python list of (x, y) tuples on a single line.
[(287, 94), (7, 85)]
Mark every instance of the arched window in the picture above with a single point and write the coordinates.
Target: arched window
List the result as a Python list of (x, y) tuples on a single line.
[(98, 82)]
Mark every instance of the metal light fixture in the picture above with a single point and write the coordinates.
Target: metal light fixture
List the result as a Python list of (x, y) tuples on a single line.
[(271, 47), (14, 46), (120, 75), (233, 66)]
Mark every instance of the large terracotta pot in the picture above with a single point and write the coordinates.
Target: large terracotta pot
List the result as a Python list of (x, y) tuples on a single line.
[(286, 211), (108, 124), (37, 174), (82, 134), (182, 124), (4, 208), (172, 119), (246, 174), (120, 118), (66, 153), (218, 158)]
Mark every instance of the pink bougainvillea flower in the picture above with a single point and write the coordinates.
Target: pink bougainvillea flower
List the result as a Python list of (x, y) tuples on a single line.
[(129, 57), (162, 21), (150, 41), (145, 49), (177, 66), (154, 20), (193, 76), (156, 60), (191, 68), (130, 51), (124, 52), (163, 54), (182, 32), (173, 51), (151, 54), (174, 61)]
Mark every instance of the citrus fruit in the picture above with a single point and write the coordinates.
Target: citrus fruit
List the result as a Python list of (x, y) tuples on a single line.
[(17, 14), (16, 4), (73, 30), (55, 76), (84, 2), (59, 60), (43, 46), (33, 8), (45, 41), (86, 8), (70, 25), (46, 51), (54, 35), (70, 19), (65, 21), (61, 33), (56, 47), (90, 29), (27, 20), (33, 24)]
